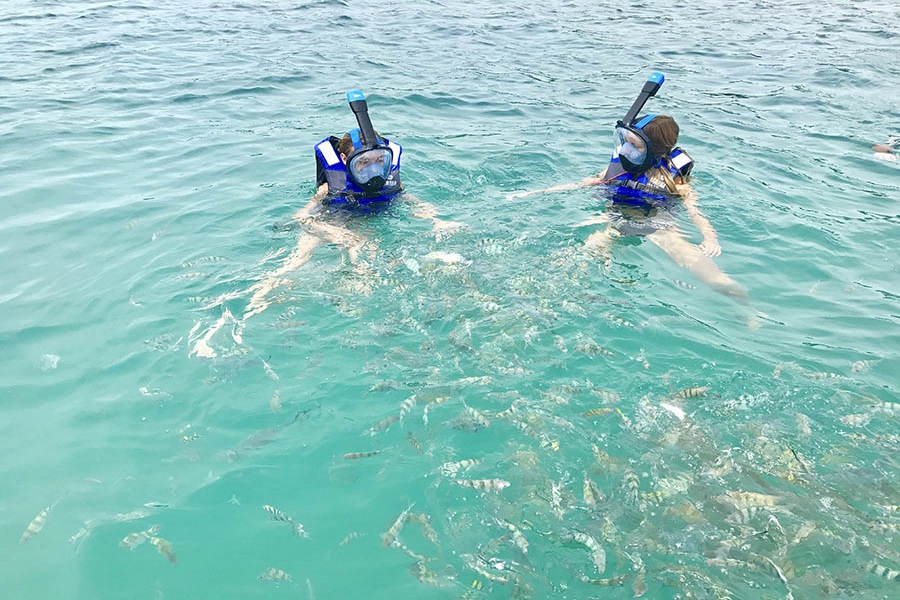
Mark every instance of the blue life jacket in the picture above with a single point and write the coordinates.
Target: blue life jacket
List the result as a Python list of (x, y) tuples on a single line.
[(638, 189), (331, 170)]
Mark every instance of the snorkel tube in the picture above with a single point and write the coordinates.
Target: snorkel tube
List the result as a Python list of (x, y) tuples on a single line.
[(360, 109), (651, 86), (636, 155)]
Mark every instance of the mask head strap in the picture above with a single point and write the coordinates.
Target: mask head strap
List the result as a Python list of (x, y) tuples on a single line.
[(354, 137), (640, 124)]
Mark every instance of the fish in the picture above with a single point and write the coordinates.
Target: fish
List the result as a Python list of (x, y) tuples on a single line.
[(421, 572), (691, 392), (608, 582), (619, 320), (518, 538), (856, 420), (407, 406), (273, 574), (592, 349), (683, 284), (642, 358), (607, 396), (82, 533), (600, 456), (477, 417), (394, 530), (414, 442), (275, 402), (478, 380), (277, 515), (382, 425), (480, 566), (560, 344), (406, 549), (592, 494), (485, 485), (882, 571), (597, 412), (36, 525), (598, 554), (259, 439), (747, 499), (888, 407), (164, 547), (775, 531), (639, 587), (745, 515), (270, 373), (803, 423), (556, 499), (451, 469), (862, 365), (803, 532), (358, 455), (133, 540), (630, 486), (425, 525), (353, 535), (201, 260)]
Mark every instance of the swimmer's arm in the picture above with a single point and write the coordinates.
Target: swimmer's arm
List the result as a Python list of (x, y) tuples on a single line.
[(595, 180), (710, 244), (426, 210), (305, 214)]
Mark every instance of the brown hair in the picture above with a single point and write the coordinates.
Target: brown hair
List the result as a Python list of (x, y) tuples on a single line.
[(345, 146), (663, 134)]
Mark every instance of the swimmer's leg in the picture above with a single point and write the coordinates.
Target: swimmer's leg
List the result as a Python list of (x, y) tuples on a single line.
[(342, 237), (689, 256), (598, 244), (300, 256)]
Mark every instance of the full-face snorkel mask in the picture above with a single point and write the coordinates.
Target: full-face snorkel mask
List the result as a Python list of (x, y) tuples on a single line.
[(369, 165), (633, 147)]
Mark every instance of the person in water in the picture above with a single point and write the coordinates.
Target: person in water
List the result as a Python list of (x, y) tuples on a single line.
[(889, 150), (644, 177), (359, 169)]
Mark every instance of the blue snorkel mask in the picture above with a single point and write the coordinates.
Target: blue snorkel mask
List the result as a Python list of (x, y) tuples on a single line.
[(633, 147), (369, 165)]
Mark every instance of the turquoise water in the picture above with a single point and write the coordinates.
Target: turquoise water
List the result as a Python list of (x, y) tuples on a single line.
[(154, 152)]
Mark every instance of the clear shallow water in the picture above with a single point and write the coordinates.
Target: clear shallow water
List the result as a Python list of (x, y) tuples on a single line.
[(150, 149)]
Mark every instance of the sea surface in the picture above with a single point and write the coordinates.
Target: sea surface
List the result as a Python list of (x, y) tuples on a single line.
[(631, 432)]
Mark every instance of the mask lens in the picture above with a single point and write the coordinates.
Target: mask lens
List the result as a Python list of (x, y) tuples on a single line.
[(369, 164), (630, 146)]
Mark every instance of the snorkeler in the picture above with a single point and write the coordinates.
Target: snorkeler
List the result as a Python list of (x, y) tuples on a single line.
[(889, 150), (360, 169), (646, 172)]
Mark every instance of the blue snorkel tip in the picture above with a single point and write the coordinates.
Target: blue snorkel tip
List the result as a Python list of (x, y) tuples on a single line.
[(355, 95), (657, 78)]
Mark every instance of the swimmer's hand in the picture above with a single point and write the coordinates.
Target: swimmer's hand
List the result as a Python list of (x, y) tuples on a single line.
[(522, 195), (710, 246)]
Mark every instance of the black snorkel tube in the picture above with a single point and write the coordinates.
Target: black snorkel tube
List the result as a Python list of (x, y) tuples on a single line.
[(651, 86), (358, 104)]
